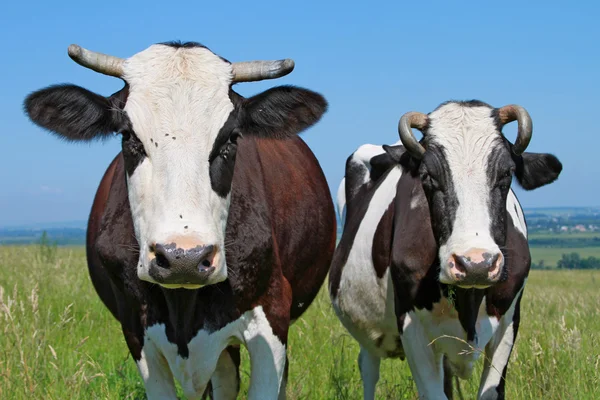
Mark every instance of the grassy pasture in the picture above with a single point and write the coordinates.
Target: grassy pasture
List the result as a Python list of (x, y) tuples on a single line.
[(551, 255), (58, 342)]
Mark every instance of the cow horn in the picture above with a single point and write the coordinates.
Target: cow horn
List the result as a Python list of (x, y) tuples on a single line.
[(103, 63), (412, 120), (250, 71), (514, 112)]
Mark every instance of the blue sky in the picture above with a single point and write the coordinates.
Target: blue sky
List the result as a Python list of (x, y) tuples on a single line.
[(373, 61)]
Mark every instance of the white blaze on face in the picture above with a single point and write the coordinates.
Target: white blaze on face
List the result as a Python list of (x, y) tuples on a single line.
[(469, 136), (178, 101)]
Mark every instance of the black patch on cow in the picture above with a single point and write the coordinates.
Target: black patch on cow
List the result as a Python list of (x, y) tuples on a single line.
[(356, 208), (467, 302), (178, 44), (414, 265), (277, 113), (75, 113), (436, 178), (133, 151), (499, 171), (382, 242), (465, 103), (222, 157), (382, 162)]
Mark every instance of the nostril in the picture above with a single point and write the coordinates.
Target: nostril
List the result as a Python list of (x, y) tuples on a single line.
[(460, 263), (162, 261), (160, 255), (206, 263), (494, 264)]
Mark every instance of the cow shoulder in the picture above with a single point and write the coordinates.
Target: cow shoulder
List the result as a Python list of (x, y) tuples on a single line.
[(414, 251), (501, 296)]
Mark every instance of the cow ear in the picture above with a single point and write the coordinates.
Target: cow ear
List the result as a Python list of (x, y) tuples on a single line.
[(534, 170), (282, 112), (72, 112)]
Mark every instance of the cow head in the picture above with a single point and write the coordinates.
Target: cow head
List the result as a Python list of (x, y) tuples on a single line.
[(466, 166), (180, 122)]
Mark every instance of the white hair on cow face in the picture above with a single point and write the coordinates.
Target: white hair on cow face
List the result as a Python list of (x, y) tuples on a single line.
[(467, 135), (178, 101)]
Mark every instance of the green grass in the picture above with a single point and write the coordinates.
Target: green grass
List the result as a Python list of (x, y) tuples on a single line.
[(551, 255), (58, 342)]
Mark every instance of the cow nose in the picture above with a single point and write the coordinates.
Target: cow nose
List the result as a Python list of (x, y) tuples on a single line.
[(175, 265), (476, 267)]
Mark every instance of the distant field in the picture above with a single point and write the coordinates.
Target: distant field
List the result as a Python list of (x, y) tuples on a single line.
[(58, 342), (551, 255)]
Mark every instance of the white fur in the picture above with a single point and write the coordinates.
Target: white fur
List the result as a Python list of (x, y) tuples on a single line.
[(341, 202), (469, 136), (497, 351), (364, 303), (183, 93), (361, 158), (160, 361)]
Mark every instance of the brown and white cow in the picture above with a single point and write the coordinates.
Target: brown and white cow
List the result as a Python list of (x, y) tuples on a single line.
[(433, 258), (214, 227)]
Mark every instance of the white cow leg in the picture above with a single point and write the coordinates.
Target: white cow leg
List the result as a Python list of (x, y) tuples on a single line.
[(267, 358), (226, 379), (156, 374), (425, 365), (368, 364), (497, 354)]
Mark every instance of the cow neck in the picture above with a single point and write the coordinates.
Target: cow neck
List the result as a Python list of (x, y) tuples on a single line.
[(182, 305), (189, 311), (467, 303)]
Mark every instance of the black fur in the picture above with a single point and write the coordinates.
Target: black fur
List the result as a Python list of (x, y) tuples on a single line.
[(133, 151), (178, 44), (536, 169), (281, 112), (278, 113), (439, 190), (75, 113)]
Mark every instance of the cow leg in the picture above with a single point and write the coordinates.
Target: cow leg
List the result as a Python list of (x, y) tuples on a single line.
[(267, 358), (497, 354), (448, 375), (156, 374), (266, 339), (425, 364), (368, 364), (225, 381)]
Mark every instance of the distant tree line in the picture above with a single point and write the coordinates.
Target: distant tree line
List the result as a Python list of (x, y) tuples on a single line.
[(563, 242), (571, 261)]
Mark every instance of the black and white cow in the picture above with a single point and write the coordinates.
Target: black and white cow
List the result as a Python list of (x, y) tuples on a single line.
[(214, 227), (433, 258)]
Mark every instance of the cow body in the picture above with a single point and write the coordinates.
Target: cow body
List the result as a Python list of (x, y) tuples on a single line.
[(386, 278), (214, 227), (276, 266), (366, 276)]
